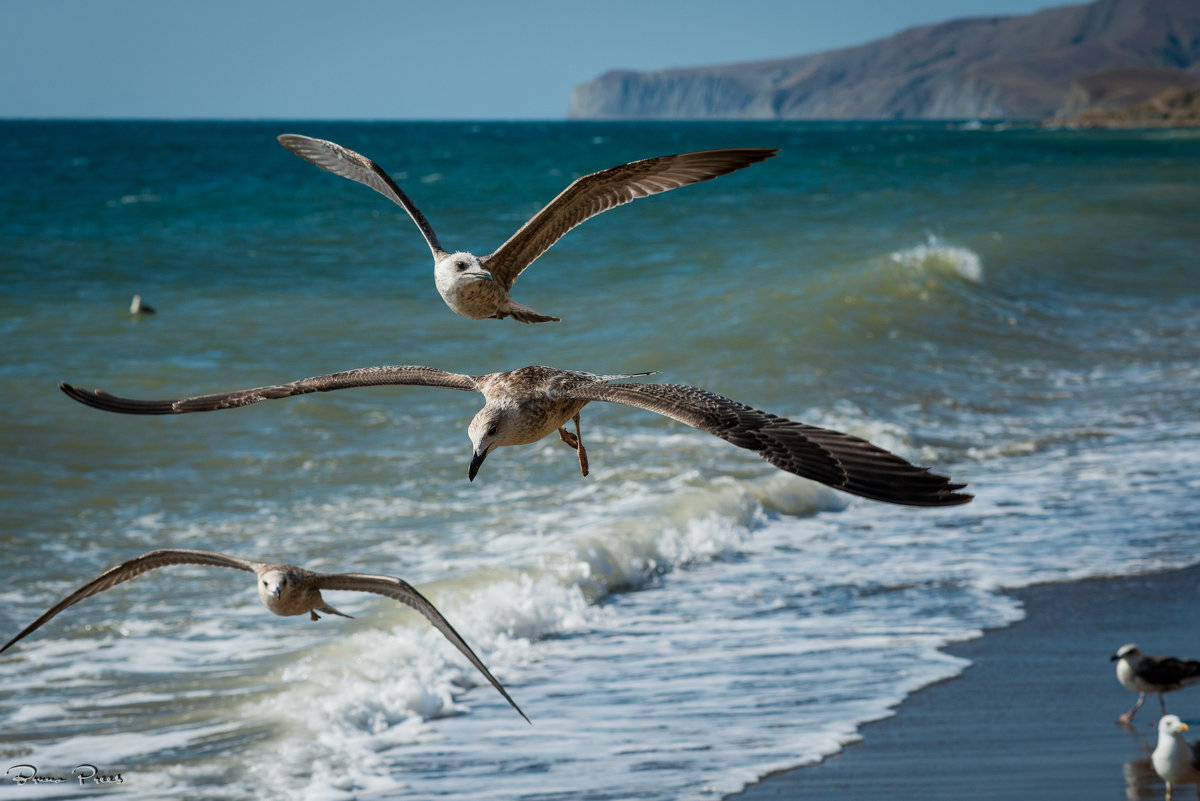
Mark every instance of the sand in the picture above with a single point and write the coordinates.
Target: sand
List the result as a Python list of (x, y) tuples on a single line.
[(1035, 715)]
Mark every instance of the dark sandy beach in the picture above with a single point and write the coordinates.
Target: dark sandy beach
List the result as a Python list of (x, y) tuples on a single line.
[(1034, 716)]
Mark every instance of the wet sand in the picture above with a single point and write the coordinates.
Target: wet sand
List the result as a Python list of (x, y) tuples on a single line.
[(1035, 714)]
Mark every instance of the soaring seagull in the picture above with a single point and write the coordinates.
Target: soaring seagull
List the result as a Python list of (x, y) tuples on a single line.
[(477, 288), (522, 406), (1175, 759), (1152, 674), (284, 589)]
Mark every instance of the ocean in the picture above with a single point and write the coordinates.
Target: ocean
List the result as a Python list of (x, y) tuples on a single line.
[(1016, 307)]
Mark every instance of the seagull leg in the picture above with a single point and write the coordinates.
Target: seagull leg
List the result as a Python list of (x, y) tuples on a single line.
[(1125, 719), (575, 441), (313, 614)]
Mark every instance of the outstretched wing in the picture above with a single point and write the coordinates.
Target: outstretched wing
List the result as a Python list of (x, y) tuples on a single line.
[(588, 196), (130, 570), (348, 164), (411, 375), (405, 593), (841, 461)]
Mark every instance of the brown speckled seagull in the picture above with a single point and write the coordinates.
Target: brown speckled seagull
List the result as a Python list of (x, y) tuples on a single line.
[(284, 589), (477, 288), (522, 406)]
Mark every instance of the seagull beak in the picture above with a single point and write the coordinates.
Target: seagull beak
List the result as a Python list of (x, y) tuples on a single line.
[(1183, 727), (482, 275), (277, 591), (476, 460)]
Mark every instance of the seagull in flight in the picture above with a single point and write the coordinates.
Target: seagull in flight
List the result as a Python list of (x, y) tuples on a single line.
[(477, 288), (524, 405), (284, 589)]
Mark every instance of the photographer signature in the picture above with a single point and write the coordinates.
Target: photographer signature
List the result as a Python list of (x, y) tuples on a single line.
[(85, 774)]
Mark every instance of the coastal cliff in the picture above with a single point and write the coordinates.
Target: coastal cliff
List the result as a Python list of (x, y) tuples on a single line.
[(1021, 67)]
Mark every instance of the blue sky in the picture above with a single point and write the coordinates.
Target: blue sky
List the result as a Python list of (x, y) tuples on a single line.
[(374, 59)]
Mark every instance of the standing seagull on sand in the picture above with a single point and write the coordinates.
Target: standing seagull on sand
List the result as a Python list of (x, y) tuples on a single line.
[(1152, 674), (284, 589), (522, 406), (1175, 759), (477, 288)]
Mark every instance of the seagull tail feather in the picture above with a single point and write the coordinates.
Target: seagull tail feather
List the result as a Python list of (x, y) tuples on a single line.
[(524, 314)]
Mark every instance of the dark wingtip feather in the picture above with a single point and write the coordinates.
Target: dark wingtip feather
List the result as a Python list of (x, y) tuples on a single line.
[(99, 399)]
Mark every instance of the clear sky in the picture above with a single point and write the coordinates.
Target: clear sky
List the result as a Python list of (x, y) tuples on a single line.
[(394, 59)]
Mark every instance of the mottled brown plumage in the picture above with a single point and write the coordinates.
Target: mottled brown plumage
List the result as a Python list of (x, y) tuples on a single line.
[(284, 589), (478, 288), (522, 406)]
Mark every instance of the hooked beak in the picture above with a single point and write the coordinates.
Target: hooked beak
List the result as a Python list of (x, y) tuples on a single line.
[(482, 275), (277, 591), (476, 460)]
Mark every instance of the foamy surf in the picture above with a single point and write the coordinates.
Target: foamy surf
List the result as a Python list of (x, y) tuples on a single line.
[(939, 257)]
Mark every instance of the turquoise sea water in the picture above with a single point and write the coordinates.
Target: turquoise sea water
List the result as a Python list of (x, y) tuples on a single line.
[(1016, 307)]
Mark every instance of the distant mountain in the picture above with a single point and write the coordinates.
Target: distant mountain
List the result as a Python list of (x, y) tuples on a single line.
[(1020, 67), (1178, 107)]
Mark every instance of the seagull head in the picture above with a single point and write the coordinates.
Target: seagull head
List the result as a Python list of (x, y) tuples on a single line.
[(1124, 651), (460, 268), (1171, 725), (282, 590), (487, 431)]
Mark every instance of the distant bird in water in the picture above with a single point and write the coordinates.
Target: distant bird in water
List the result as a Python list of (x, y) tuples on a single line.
[(1152, 674), (1175, 759), (284, 589), (477, 288), (137, 307), (523, 406)]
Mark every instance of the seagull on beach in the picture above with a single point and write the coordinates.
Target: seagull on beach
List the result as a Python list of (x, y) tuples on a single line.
[(477, 288), (284, 589), (523, 406), (1152, 674), (1175, 759)]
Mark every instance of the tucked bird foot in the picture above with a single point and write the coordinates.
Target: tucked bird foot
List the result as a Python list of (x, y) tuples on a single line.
[(575, 441), (569, 438), (583, 462)]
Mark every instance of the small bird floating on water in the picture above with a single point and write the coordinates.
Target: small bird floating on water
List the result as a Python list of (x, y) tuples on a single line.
[(477, 288), (284, 589), (137, 307), (523, 406)]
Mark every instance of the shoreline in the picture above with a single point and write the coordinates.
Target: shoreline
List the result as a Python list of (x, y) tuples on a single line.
[(1034, 715)]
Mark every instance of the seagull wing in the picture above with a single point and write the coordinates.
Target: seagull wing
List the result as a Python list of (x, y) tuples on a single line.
[(132, 569), (410, 375), (348, 164), (405, 593), (841, 461), (1168, 670), (588, 196)]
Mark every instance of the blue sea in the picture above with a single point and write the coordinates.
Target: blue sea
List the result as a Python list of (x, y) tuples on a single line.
[(1017, 307)]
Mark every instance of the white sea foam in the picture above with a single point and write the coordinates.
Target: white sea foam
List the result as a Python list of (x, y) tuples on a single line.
[(939, 257)]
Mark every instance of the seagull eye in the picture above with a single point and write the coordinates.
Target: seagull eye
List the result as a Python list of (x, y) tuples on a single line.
[(462, 265), (491, 432)]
